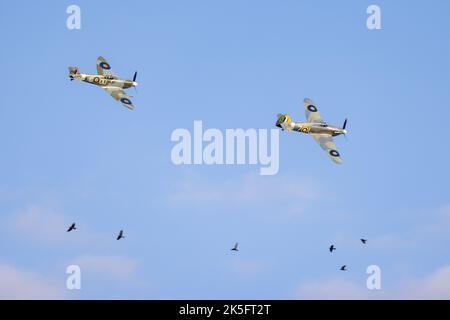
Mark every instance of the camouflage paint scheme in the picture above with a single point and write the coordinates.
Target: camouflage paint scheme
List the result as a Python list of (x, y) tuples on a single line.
[(106, 80), (315, 126)]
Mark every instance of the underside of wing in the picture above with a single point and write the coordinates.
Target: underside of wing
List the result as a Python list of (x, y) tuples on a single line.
[(327, 144), (103, 67), (120, 95), (312, 115)]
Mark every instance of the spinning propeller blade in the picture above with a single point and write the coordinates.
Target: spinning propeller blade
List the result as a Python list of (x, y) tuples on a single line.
[(345, 131), (134, 80)]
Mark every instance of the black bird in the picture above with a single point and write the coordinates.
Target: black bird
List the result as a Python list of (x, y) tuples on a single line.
[(120, 236), (364, 241), (72, 227), (235, 248), (332, 248), (344, 268)]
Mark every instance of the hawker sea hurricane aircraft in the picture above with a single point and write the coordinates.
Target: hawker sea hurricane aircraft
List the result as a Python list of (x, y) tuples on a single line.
[(316, 127), (106, 80)]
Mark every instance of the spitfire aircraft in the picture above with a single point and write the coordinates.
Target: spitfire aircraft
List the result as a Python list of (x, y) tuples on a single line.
[(316, 127), (107, 80)]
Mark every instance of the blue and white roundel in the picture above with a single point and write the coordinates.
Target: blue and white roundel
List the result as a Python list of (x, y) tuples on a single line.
[(312, 108), (334, 153), (104, 65), (125, 100)]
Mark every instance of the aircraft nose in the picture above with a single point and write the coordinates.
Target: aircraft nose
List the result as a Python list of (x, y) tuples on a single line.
[(344, 131), (135, 83)]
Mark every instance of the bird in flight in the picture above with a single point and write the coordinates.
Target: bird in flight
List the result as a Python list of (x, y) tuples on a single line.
[(344, 268), (332, 248), (364, 241), (120, 236), (72, 227), (235, 248)]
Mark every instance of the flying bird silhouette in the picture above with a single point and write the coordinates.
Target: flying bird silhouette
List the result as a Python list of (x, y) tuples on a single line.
[(364, 241), (344, 268), (235, 248), (332, 248), (72, 227), (120, 236)]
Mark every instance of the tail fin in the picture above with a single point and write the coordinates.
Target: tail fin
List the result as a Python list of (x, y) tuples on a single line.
[(283, 121), (74, 73)]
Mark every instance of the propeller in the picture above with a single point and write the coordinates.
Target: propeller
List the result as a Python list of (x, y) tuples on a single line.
[(343, 128), (134, 80)]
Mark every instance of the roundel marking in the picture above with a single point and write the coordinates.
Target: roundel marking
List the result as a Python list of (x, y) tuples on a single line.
[(312, 108), (96, 79), (334, 153), (125, 100), (304, 129), (104, 65)]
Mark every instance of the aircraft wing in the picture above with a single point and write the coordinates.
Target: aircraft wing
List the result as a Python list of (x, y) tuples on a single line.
[(120, 95), (312, 115), (327, 144), (103, 67)]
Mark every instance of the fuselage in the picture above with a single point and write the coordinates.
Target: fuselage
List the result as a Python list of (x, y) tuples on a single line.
[(310, 127), (317, 128), (107, 81)]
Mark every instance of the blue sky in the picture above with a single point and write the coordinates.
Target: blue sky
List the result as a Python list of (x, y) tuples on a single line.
[(70, 153)]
